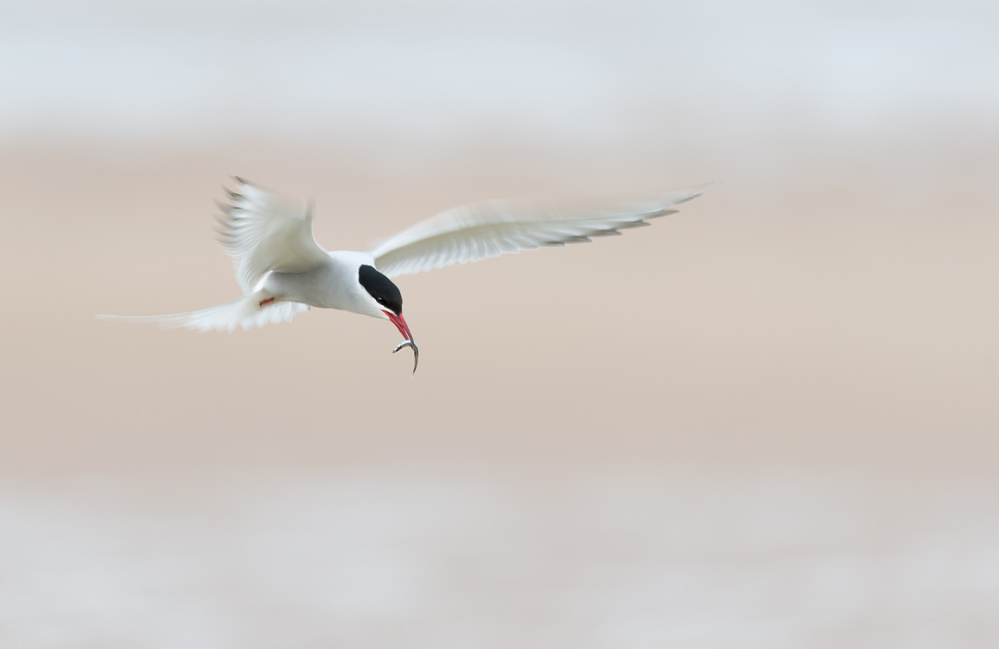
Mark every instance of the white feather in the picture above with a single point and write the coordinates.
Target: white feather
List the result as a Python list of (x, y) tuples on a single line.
[(244, 313), (489, 229), (264, 231)]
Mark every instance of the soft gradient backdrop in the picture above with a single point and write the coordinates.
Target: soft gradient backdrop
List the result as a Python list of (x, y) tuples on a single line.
[(768, 421)]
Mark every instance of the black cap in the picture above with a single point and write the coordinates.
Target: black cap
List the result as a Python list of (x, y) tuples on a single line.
[(381, 288)]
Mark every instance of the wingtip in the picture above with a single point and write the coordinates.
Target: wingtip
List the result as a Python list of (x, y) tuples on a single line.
[(225, 207), (705, 187), (694, 192)]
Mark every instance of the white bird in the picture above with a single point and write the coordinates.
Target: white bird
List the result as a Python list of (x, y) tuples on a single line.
[(283, 271)]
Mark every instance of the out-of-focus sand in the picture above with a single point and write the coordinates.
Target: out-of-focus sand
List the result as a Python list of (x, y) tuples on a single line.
[(832, 322), (769, 420)]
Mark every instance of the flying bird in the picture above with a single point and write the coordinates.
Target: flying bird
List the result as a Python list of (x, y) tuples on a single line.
[(282, 271)]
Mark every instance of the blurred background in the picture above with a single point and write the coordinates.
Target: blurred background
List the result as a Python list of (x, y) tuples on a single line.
[(767, 421)]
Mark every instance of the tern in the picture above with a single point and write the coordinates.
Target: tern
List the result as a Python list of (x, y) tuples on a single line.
[(282, 271)]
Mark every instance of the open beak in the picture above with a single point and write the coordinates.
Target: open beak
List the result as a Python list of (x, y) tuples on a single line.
[(400, 324)]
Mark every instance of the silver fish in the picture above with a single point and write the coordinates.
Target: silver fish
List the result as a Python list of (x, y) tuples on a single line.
[(416, 352)]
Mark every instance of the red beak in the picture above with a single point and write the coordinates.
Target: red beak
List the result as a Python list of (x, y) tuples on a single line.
[(400, 324)]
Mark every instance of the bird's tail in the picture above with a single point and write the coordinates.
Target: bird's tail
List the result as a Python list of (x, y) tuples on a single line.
[(245, 312)]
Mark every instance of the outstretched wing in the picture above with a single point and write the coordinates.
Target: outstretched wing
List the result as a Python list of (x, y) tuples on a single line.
[(489, 229), (264, 231)]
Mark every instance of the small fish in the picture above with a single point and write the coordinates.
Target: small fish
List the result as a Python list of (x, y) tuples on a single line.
[(416, 352)]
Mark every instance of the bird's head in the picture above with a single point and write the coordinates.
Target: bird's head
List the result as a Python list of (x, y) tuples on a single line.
[(387, 304)]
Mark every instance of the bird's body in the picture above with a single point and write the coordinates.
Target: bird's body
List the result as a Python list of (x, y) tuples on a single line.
[(331, 284), (283, 271)]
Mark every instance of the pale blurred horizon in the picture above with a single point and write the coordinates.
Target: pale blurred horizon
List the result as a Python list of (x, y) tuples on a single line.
[(768, 420), (718, 77)]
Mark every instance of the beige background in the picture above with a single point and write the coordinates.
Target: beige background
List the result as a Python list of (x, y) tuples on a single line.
[(769, 420)]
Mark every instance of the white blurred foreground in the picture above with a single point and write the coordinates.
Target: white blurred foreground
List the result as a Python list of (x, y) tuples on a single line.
[(423, 557)]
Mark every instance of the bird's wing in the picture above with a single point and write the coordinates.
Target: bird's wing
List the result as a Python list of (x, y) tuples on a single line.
[(264, 231), (489, 229), (243, 312)]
